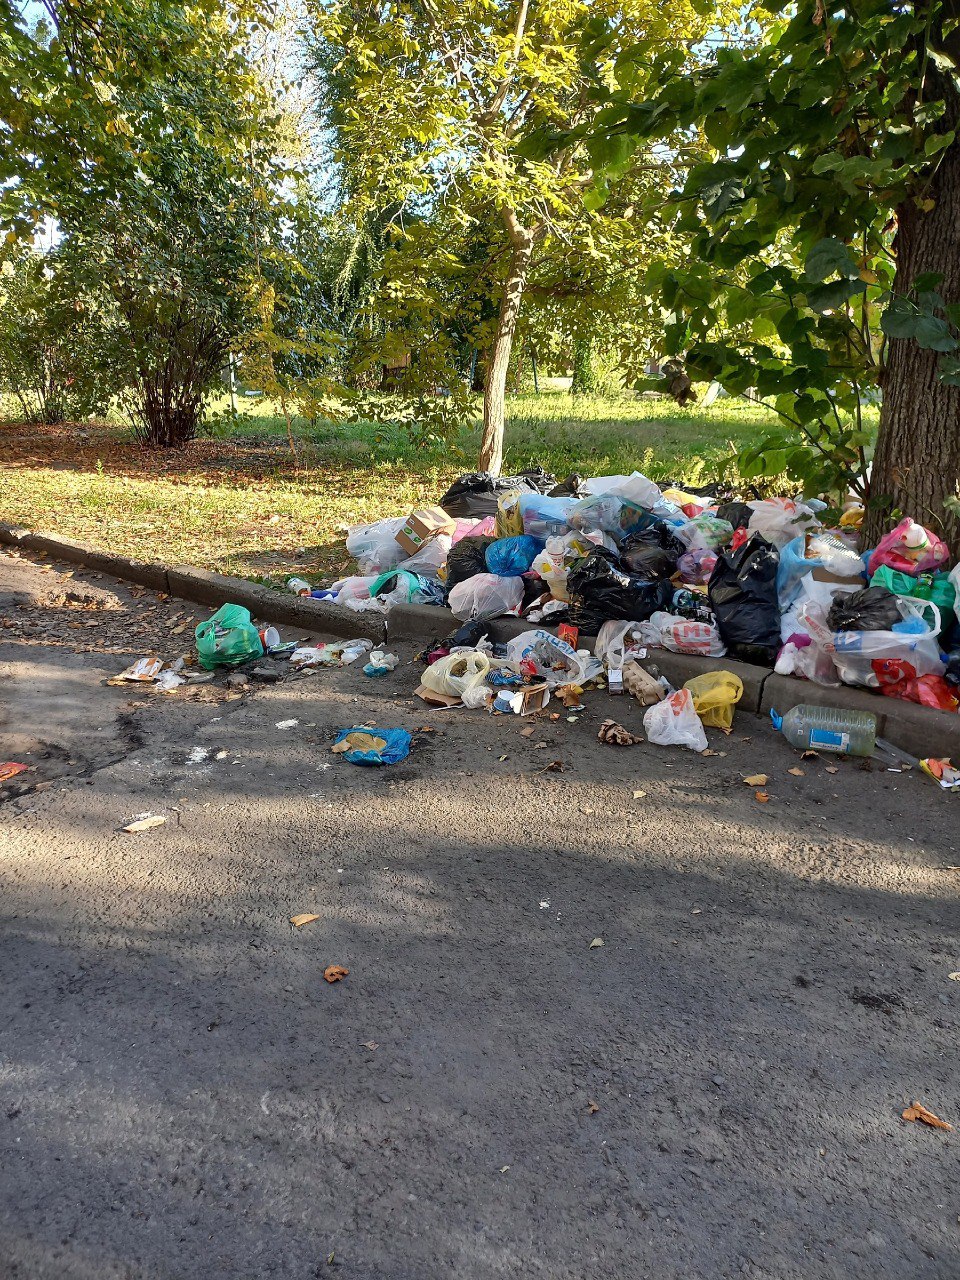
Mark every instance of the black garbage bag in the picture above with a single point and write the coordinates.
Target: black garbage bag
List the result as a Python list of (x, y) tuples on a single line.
[(743, 592), (470, 634), (652, 552), (738, 513), (465, 559), (871, 609), (600, 588), (475, 495)]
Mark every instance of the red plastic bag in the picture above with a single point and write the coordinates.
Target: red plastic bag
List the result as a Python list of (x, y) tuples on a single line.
[(928, 691)]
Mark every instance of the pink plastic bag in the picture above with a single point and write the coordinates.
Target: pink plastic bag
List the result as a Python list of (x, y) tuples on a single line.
[(910, 548)]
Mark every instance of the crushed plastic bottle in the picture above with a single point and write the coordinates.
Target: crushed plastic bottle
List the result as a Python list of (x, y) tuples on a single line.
[(846, 733)]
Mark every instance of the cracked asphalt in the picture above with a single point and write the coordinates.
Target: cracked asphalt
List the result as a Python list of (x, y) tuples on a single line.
[(714, 1092)]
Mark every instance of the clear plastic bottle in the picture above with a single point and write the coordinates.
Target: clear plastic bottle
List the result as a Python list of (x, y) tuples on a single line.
[(847, 733)]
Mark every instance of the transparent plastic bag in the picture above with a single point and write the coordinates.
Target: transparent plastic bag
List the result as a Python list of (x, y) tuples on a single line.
[(544, 517), (509, 521), (374, 546), (618, 642), (485, 595), (705, 533), (430, 559), (855, 653), (674, 722), (715, 694), (457, 672), (602, 512), (553, 660)]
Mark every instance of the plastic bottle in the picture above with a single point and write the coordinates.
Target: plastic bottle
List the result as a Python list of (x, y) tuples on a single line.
[(847, 733), (299, 586)]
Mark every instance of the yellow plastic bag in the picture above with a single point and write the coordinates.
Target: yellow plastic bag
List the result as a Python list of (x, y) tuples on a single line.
[(715, 694), (509, 522), (456, 673)]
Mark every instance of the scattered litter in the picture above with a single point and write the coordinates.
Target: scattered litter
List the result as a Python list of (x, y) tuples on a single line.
[(942, 772), (592, 1108), (380, 664), (597, 942), (616, 735), (228, 638), (917, 1111), (10, 768), (143, 671), (287, 724), (797, 773), (305, 917), (359, 746), (198, 755), (638, 795), (145, 823), (335, 973), (955, 976), (674, 722), (761, 796)]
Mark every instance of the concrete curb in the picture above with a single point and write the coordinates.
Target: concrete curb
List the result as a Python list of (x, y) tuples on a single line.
[(919, 730)]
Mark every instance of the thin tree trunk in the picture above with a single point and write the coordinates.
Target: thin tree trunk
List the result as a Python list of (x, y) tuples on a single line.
[(582, 381), (917, 461), (495, 383)]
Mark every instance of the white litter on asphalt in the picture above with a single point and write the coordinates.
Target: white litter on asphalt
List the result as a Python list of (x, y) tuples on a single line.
[(287, 724), (198, 755)]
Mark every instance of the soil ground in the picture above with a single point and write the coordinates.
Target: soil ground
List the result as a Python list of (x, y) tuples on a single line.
[(714, 1092)]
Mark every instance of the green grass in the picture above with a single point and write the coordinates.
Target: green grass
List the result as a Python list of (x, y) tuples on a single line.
[(240, 502)]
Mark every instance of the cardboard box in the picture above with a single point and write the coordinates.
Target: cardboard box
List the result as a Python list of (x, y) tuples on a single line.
[(436, 699), (421, 526)]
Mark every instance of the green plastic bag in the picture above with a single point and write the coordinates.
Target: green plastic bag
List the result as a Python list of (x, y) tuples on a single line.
[(935, 587), (228, 638)]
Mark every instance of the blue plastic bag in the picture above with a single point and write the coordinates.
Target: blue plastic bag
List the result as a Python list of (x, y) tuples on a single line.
[(396, 746), (510, 557)]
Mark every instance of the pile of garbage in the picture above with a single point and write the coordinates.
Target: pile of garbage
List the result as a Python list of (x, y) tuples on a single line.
[(694, 570)]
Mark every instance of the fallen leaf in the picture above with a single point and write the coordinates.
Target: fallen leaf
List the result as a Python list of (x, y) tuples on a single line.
[(597, 942), (917, 1111), (555, 766), (370, 1044), (616, 735), (709, 752), (832, 768), (305, 917), (809, 755), (592, 1108), (954, 977), (797, 773), (539, 746), (502, 758), (335, 972), (529, 731), (146, 823), (586, 811), (638, 795), (426, 728), (756, 780), (178, 631), (761, 796), (9, 769), (554, 716)]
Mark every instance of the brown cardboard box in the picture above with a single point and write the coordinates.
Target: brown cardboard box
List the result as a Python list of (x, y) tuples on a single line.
[(421, 526)]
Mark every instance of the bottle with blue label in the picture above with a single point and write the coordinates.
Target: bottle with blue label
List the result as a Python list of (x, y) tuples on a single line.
[(846, 733)]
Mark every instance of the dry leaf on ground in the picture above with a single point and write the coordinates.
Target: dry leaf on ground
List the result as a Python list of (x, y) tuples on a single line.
[(335, 972), (810, 755), (305, 917), (832, 768), (146, 823), (917, 1111), (797, 773), (756, 780), (616, 735), (530, 730), (597, 942), (592, 1108), (10, 768), (762, 796)]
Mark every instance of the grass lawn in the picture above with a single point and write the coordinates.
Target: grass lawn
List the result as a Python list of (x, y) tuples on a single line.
[(242, 503)]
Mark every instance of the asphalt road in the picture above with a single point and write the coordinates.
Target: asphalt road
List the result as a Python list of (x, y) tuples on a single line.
[(714, 1092)]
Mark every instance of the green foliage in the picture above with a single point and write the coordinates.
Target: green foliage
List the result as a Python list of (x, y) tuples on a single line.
[(53, 356), (823, 128)]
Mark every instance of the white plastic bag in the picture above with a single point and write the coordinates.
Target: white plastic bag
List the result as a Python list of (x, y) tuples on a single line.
[(357, 588), (682, 635), (374, 546), (780, 520), (674, 722), (854, 652), (555, 661), (485, 595)]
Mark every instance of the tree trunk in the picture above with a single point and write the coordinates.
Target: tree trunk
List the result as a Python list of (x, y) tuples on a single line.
[(916, 466), (495, 383), (583, 380)]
